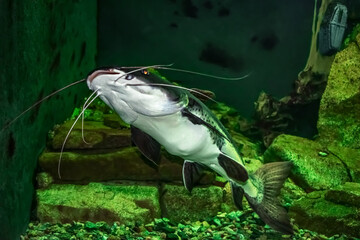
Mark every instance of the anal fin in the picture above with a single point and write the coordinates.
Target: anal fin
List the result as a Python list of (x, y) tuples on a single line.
[(233, 169), (238, 194)]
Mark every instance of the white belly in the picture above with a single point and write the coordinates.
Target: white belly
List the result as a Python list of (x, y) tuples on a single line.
[(180, 137)]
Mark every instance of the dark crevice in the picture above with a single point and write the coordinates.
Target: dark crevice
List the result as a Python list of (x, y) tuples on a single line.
[(11, 146), (82, 53), (345, 165), (162, 192), (56, 62), (36, 109)]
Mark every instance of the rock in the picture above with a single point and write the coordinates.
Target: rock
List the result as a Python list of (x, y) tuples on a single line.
[(252, 164), (44, 180), (339, 112), (114, 121), (311, 170), (290, 192), (317, 214), (96, 135), (350, 157), (127, 204), (247, 148), (180, 205), (347, 194), (228, 204), (124, 164)]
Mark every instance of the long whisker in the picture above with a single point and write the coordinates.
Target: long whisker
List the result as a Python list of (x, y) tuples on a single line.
[(68, 134), (173, 86), (142, 68), (167, 67), (85, 106), (150, 66), (204, 74), (40, 101)]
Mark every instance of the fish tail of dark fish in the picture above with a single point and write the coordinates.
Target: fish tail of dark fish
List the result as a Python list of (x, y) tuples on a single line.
[(269, 180)]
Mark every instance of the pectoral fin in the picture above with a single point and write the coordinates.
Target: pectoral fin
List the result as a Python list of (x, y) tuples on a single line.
[(191, 174), (233, 169), (147, 145)]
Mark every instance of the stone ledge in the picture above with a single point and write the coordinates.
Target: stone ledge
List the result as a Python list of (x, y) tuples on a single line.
[(127, 202), (179, 205), (327, 216), (105, 165), (314, 168), (98, 202), (96, 135)]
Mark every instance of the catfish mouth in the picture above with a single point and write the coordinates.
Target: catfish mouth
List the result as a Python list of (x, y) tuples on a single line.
[(99, 72)]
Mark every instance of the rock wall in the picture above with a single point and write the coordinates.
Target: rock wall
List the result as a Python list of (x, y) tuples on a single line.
[(44, 46), (328, 168), (339, 120), (108, 179)]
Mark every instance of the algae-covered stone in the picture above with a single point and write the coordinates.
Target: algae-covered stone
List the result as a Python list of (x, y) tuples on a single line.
[(347, 194), (326, 217), (246, 146), (180, 205), (96, 136), (124, 164), (44, 180), (311, 170), (127, 204), (339, 112), (114, 121), (351, 159), (290, 192)]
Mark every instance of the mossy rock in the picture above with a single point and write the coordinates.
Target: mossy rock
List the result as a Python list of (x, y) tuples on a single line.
[(317, 214), (128, 204), (124, 164), (96, 136), (314, 168), (290, 193), (180, 205), (347, 194), (104, 165), (339, 112), (350, 157)]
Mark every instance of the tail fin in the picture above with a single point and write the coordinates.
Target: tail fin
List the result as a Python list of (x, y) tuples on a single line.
[(269, 180)]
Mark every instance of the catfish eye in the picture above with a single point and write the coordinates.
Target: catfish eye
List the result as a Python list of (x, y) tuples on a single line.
[(145, 72), (129, 76)]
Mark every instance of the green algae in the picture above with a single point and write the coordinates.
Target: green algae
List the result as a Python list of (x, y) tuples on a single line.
[(347, 194), (310, 171), (339, 111), (326, 216), (351, 37), (179, 204), (98, 202)]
